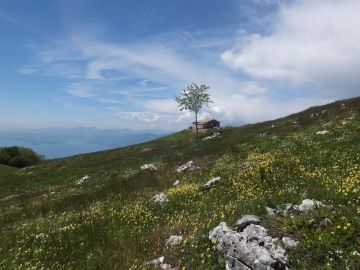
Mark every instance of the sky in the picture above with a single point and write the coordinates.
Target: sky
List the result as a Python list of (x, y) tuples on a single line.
[(119, 64)]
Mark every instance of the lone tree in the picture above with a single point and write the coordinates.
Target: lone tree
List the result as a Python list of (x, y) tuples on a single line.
[(193, 99)]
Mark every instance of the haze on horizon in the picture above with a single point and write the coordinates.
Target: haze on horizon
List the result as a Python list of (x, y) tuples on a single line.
[(119, 64)]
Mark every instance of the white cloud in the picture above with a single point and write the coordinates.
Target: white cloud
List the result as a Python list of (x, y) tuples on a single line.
[(27, 71), (313, 41), (141, 117)]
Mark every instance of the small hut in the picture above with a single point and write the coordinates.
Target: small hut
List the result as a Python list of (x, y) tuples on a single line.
[(206, 123)]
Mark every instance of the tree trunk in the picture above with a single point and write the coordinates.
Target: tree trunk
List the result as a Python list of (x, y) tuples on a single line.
[(197, 134)]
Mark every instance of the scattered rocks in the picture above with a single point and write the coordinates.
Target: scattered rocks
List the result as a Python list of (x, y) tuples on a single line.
[(176, 183), (210, 183), (214, 135), (289, 243), (187, 167), (82, 180), (287, 209), (160, 198), (250, 249), (322, 132), (150, 167), (173, 240)]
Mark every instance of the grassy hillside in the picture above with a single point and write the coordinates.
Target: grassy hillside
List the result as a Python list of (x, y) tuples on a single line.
[(48, 221)]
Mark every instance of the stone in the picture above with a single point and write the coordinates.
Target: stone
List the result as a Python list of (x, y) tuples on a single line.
[(150, 167), (327, 124), (270, 211), (173, 240), (288, 242), (211, 182), (307, 204), (160, 198), (82, 180), (322, 132), (159, 263), (187, 167), (245, 221), (250, 249), (176, 183), (214, 135)]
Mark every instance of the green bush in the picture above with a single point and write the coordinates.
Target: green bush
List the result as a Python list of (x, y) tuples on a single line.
[(4, 155), (19, 162)]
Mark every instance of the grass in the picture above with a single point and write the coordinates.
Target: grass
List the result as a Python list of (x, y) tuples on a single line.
[(109, 222)]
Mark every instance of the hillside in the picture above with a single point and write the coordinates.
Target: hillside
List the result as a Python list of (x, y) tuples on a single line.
[(51, 220)]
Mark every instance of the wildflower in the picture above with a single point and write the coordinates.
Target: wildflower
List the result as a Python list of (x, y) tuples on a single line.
[(338, 227)]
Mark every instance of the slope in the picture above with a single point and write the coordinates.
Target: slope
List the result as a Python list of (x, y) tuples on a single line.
[(49, 220)]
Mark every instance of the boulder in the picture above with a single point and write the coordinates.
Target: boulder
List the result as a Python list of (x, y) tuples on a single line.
[(214, 135), (176, 183), (327, 124), (250, 249), (160, 198), (173, 240), (307, 204), (187, 167), (322, 132), (150, 167), (82, 180), (288, 242), (210, 183)]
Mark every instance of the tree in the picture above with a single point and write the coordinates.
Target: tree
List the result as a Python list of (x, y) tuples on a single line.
[(193, 99)]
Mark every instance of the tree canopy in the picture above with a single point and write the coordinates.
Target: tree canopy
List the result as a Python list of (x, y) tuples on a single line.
[(193, 99)]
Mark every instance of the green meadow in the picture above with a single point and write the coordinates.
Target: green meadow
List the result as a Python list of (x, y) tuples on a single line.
[(48, 221)]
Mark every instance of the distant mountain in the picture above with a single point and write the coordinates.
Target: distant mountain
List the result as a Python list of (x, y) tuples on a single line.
[(106, 137)]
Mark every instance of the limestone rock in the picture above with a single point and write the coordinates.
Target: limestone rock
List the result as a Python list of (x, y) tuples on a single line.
[(82, 180), (173, 240), (210, 183), (250, 249), (176, 183), (160, 198), (187, 167), (214, 135), (150, 167), (322, 132), (245, 221), (288, 242), (307, 204)]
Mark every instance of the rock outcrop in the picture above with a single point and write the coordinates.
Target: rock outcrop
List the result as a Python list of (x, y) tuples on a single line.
[(250, 249)]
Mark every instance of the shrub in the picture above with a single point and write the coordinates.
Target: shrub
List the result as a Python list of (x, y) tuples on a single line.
[(19, 162), (4, 155)]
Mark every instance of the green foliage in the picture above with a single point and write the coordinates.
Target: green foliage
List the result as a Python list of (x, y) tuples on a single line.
[(193, 99), (19, 162), (19, 157), (4, 155)]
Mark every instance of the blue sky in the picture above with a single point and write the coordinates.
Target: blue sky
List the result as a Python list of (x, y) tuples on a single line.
[(119, 64)]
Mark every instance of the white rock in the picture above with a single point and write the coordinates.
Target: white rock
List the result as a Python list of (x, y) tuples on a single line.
[(176, 183), (307, 204), (288, 242), (160, 198), (210, 183), (173, 240), (82, 180), (322, 132), (150, 167)]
